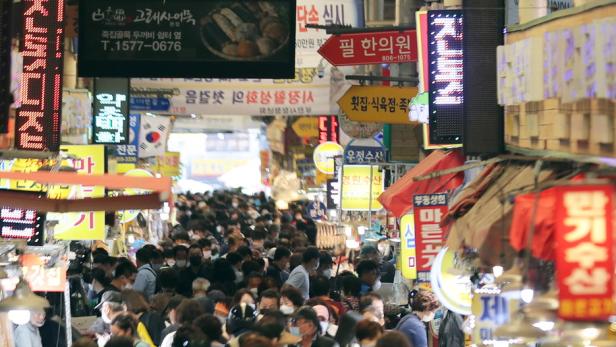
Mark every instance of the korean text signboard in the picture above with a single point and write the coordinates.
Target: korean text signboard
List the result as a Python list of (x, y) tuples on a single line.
[(128, 153), (329, 129), (378, 104), (307, 94), (429, 209), (187, 38), (37, 125), (446, 73), (584, 252), (364, 151), (5, 62), (41, 276), (90, 160), (491, 310), (21, 224), (357, 186), (407, 247), (386, 47), (111, 119)]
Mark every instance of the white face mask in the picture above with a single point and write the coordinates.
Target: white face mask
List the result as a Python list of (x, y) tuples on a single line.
[(180, 263), (235, 204), (377, 285), (171, 262), (324, 326), (207, 254), (255, 291), (239, 276), (128, 286), (287, 310), (428, 317), (327, 273), (105, 318)]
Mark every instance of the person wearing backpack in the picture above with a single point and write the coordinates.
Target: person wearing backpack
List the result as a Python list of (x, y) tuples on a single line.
[(146, 279)]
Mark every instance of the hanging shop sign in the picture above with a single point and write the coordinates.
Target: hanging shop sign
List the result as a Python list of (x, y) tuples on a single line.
[(407, 247), (168, 165), (429, 209), (5, 62), (333, 194), (358, 182), (153, 134), (364, 151), (25, 166), (88, 225), (22, 224), (491, 310), (307, 94), (452, 288), (384, 47), (306, 127), (111, 118), (446, 71), (38, 120), (186, 38), (378, 104), (584, 252), (329, 129), (42, 275), (325, 12), (128, 153), (324, 156), (139, 103), (76, 116)]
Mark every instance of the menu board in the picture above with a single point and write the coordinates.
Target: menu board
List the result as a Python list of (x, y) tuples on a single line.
[(187, 38)]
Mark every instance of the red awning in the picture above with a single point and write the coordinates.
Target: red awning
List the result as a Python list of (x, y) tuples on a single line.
[(398, 198)]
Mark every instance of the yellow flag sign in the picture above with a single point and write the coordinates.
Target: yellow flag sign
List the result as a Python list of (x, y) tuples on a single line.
[(378, 104)]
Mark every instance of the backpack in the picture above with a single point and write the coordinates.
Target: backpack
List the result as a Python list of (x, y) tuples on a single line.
[(158, 286)]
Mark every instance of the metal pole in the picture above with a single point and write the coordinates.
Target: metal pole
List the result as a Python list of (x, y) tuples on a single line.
[(67, 315), (370, 199)]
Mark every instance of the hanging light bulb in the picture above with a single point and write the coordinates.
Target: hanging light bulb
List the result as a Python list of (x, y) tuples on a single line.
[(498, 271), (527, 295), (19, 317), (22, 302)]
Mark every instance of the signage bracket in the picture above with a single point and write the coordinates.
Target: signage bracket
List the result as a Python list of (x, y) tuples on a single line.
[(342, 29)]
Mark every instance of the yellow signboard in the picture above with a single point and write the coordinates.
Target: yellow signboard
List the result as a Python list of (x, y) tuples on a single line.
[(168, 165), (407, 247), (129, 215), (89, 160), (306, 127), (324, 156), (491, 310), (26, 166), (378, 104), (356, 188)]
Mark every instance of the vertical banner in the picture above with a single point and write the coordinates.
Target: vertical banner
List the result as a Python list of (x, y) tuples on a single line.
[(584, 252), (356, 188), (90, 160), (408, 261), (128, 153), (5, 63), (111, 119), (37, 125), (429, 209), (329, 129)]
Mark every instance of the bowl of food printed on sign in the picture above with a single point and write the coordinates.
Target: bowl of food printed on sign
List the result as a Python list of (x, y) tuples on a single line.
[(246, 31)]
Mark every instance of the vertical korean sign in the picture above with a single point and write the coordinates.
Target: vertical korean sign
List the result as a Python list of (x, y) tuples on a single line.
[(37, 125), (407, 247), (584, 252), (90, 160), (329, 129), (111, 119), (356, 188), (429, 210)]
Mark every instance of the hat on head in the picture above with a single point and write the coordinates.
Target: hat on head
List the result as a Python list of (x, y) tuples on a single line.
[(110, 296)]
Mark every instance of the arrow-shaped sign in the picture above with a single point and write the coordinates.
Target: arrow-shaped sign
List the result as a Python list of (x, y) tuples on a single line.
[(382, 47), (378, 104)]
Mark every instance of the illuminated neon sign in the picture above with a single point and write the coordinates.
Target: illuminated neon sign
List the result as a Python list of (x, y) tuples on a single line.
[(22, 224), (37, 125), (111, 118), (446, 73), (328, 129), (5, 63)]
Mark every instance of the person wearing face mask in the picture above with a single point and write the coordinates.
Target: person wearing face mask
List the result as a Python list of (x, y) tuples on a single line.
[(423, 305), (290, 299), (320, 287), (27, 335), (279, 267), (123, 275), (195, 269), (180, 255), (387, 268), (306, 325), (146, 279), (369, 274), (368, 333), (110, 306), (327, 318), (300, 276)]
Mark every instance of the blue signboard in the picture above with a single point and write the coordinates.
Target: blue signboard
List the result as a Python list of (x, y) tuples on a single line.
[(149, 104), (128, 153), (364, 151)]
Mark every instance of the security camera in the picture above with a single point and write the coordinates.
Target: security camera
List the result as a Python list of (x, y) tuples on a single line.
[(321, 69)]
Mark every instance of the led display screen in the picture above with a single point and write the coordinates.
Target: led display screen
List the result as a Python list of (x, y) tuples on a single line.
[(446, 76), (22, 224), (37, 125), (187, 38), (5, 63), (328, 129), (111, 117)]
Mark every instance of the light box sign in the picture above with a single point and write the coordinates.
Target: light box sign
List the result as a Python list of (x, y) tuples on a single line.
[(22, 224), (429, 209), (128, 153), (584, 252), (407, 247), (329, 129), (187, 38), (39, 118), (111, 119), (361, 186), (5, 62), (446, 73)]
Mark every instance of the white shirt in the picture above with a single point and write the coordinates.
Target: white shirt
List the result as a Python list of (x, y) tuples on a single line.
[(168, 340), (27, 335)]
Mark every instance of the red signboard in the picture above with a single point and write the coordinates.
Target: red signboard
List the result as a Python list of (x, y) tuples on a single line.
[(389, 47), (38, 120), (584, 252), (328, 129), (429, 209)]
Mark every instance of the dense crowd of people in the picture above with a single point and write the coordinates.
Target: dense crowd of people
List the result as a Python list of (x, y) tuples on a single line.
[(237, 272)]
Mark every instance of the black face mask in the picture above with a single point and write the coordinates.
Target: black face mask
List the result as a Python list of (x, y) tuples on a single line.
[(195, 260)]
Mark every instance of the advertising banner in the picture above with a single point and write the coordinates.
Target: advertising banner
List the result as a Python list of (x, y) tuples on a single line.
[(22, 224), (168, 165), (429, 209), (358, 181), (378, 104), (585, 252), (41, 276), (324, 156), (306, 127), (128, 153), (81, 225), (407, 247), (187, 38), (308, 94), (329, 129), (491, 310)]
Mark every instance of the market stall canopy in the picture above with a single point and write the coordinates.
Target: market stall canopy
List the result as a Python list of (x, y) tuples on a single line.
[(398, 198), (482, 216), (160, 191)]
